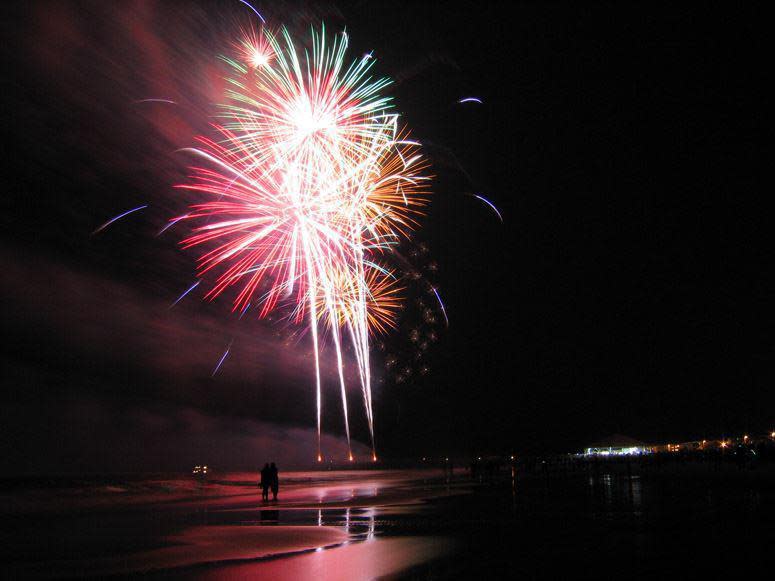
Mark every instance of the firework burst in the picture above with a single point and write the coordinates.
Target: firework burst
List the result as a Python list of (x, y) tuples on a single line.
[(382, 302), (309, 181)]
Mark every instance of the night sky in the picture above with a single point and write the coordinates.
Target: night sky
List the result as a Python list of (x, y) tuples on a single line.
[(626, 290)]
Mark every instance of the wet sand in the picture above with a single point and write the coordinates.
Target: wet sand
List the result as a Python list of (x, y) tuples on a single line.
[(372, 559), (595, 522), (322, 524), (195, 546)]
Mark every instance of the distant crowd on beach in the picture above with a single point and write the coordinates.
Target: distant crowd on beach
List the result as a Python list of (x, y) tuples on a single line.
[(269, 480)]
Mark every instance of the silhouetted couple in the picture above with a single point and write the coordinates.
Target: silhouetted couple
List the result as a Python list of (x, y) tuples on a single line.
[(269, 480)]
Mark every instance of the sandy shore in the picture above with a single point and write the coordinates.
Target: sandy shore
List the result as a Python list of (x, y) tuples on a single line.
[(367, 560), (299, 489), (179, 529), (198, 545)]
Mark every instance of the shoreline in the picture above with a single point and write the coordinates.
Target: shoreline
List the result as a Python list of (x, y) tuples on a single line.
[(235, 527)]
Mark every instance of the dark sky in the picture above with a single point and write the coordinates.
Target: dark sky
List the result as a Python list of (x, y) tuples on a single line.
[(626, 290)]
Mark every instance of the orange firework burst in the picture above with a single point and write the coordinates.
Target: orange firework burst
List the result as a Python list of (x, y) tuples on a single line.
[(382, 301)]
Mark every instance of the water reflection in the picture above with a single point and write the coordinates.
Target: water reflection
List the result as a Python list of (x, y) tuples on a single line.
[(616, 494), (366, 523), (383, 559), (636, 487), (513, 489), (607, 481)]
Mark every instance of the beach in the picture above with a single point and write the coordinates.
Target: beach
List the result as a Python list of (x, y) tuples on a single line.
[(589, 521), (171, 526)]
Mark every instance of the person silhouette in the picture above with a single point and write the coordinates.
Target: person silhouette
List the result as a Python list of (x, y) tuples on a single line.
[(266, 480), (274, 481)]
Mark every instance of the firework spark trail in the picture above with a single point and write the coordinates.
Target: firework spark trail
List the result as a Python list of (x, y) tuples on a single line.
[(441, 304), (170, 224), (221, 360), (245, 310), (340, 368), (256, 12), (489, 203), (109, 222), (310, 180), (470, 100), (314, 328), (188, 290)]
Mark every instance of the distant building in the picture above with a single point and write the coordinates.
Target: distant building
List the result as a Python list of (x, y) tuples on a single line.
[(617, 445)]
